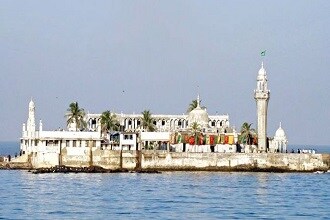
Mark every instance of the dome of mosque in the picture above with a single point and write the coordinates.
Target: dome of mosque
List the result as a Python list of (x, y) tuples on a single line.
[(198, 115), (280, 134)]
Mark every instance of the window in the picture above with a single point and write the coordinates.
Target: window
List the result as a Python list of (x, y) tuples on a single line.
[(128, 137)]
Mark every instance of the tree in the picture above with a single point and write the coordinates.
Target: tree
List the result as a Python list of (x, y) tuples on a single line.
[(109, 122), (147, 122), (194, 104), (247, 133), (76, 115), (195, 128)]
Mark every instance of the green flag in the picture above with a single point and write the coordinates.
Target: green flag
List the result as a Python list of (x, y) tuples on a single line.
[(263, 53)]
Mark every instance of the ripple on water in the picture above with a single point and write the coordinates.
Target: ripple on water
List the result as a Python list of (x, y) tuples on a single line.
[(195, 195)]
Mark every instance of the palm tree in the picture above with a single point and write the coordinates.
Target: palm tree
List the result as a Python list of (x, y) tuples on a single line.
[(247, 133), (109, 122), (194, 104), (195, 128), (147, 122), (76, 115)]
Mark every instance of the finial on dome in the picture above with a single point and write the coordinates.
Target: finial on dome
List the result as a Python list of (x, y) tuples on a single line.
[(262, 64), (198, 101), (280, 124)]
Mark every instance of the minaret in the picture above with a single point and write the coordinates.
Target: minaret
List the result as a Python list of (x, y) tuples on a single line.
[(31, 123), (261, 95)]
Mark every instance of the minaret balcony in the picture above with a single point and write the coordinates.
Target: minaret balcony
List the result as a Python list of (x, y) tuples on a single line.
[(259, 94)]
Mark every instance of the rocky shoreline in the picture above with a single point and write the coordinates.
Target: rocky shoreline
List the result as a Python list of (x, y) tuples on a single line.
[(91, 169), (98, 169)]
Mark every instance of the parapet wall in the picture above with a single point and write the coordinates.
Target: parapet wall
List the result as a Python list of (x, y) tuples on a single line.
[(162, 160)]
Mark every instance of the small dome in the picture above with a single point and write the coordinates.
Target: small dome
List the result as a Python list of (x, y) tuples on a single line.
[(198, 115), (262, 72), (280, 134)]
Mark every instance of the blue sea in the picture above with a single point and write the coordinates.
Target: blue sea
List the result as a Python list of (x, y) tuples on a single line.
[(169, 195)]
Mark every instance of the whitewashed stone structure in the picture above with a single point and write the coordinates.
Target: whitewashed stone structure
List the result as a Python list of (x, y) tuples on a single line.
[(261, 95), (34, 141), (165, 123), (279, 142), (83, 147)]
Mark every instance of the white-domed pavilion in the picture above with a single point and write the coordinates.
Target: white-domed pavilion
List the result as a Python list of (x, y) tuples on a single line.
[(279, 142)]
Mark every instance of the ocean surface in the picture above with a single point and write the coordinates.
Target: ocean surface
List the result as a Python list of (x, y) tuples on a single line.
[(12, 148), (169, 195)]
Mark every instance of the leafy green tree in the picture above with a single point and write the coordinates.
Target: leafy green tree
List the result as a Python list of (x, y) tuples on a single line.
[(76, 115), (147, 122), (196, 129), (247, 133), (109, 122), (193, 105)]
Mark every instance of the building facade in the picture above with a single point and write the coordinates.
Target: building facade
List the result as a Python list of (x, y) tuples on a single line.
[(196, 131), (132, 136), (162, 122)]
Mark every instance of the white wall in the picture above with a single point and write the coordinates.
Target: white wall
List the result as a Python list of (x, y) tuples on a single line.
[(155, 136)]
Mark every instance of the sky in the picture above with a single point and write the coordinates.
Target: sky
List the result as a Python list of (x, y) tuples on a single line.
[(130, 56)]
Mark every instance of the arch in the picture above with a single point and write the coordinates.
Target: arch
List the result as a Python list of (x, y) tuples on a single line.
[(213, 123)]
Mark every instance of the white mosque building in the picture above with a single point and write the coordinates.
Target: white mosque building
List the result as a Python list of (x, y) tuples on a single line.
[(218, 135), (164, 123), (38, 140)]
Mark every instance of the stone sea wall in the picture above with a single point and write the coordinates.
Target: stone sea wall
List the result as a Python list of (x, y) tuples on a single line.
[(162, 160)]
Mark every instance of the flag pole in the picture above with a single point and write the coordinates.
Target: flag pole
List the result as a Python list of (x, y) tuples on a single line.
[(263, 54)]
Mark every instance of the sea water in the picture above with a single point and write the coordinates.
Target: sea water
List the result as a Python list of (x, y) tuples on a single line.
[(169, 195)]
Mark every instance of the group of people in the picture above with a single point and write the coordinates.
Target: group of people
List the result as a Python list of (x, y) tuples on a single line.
[(303, 151)]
